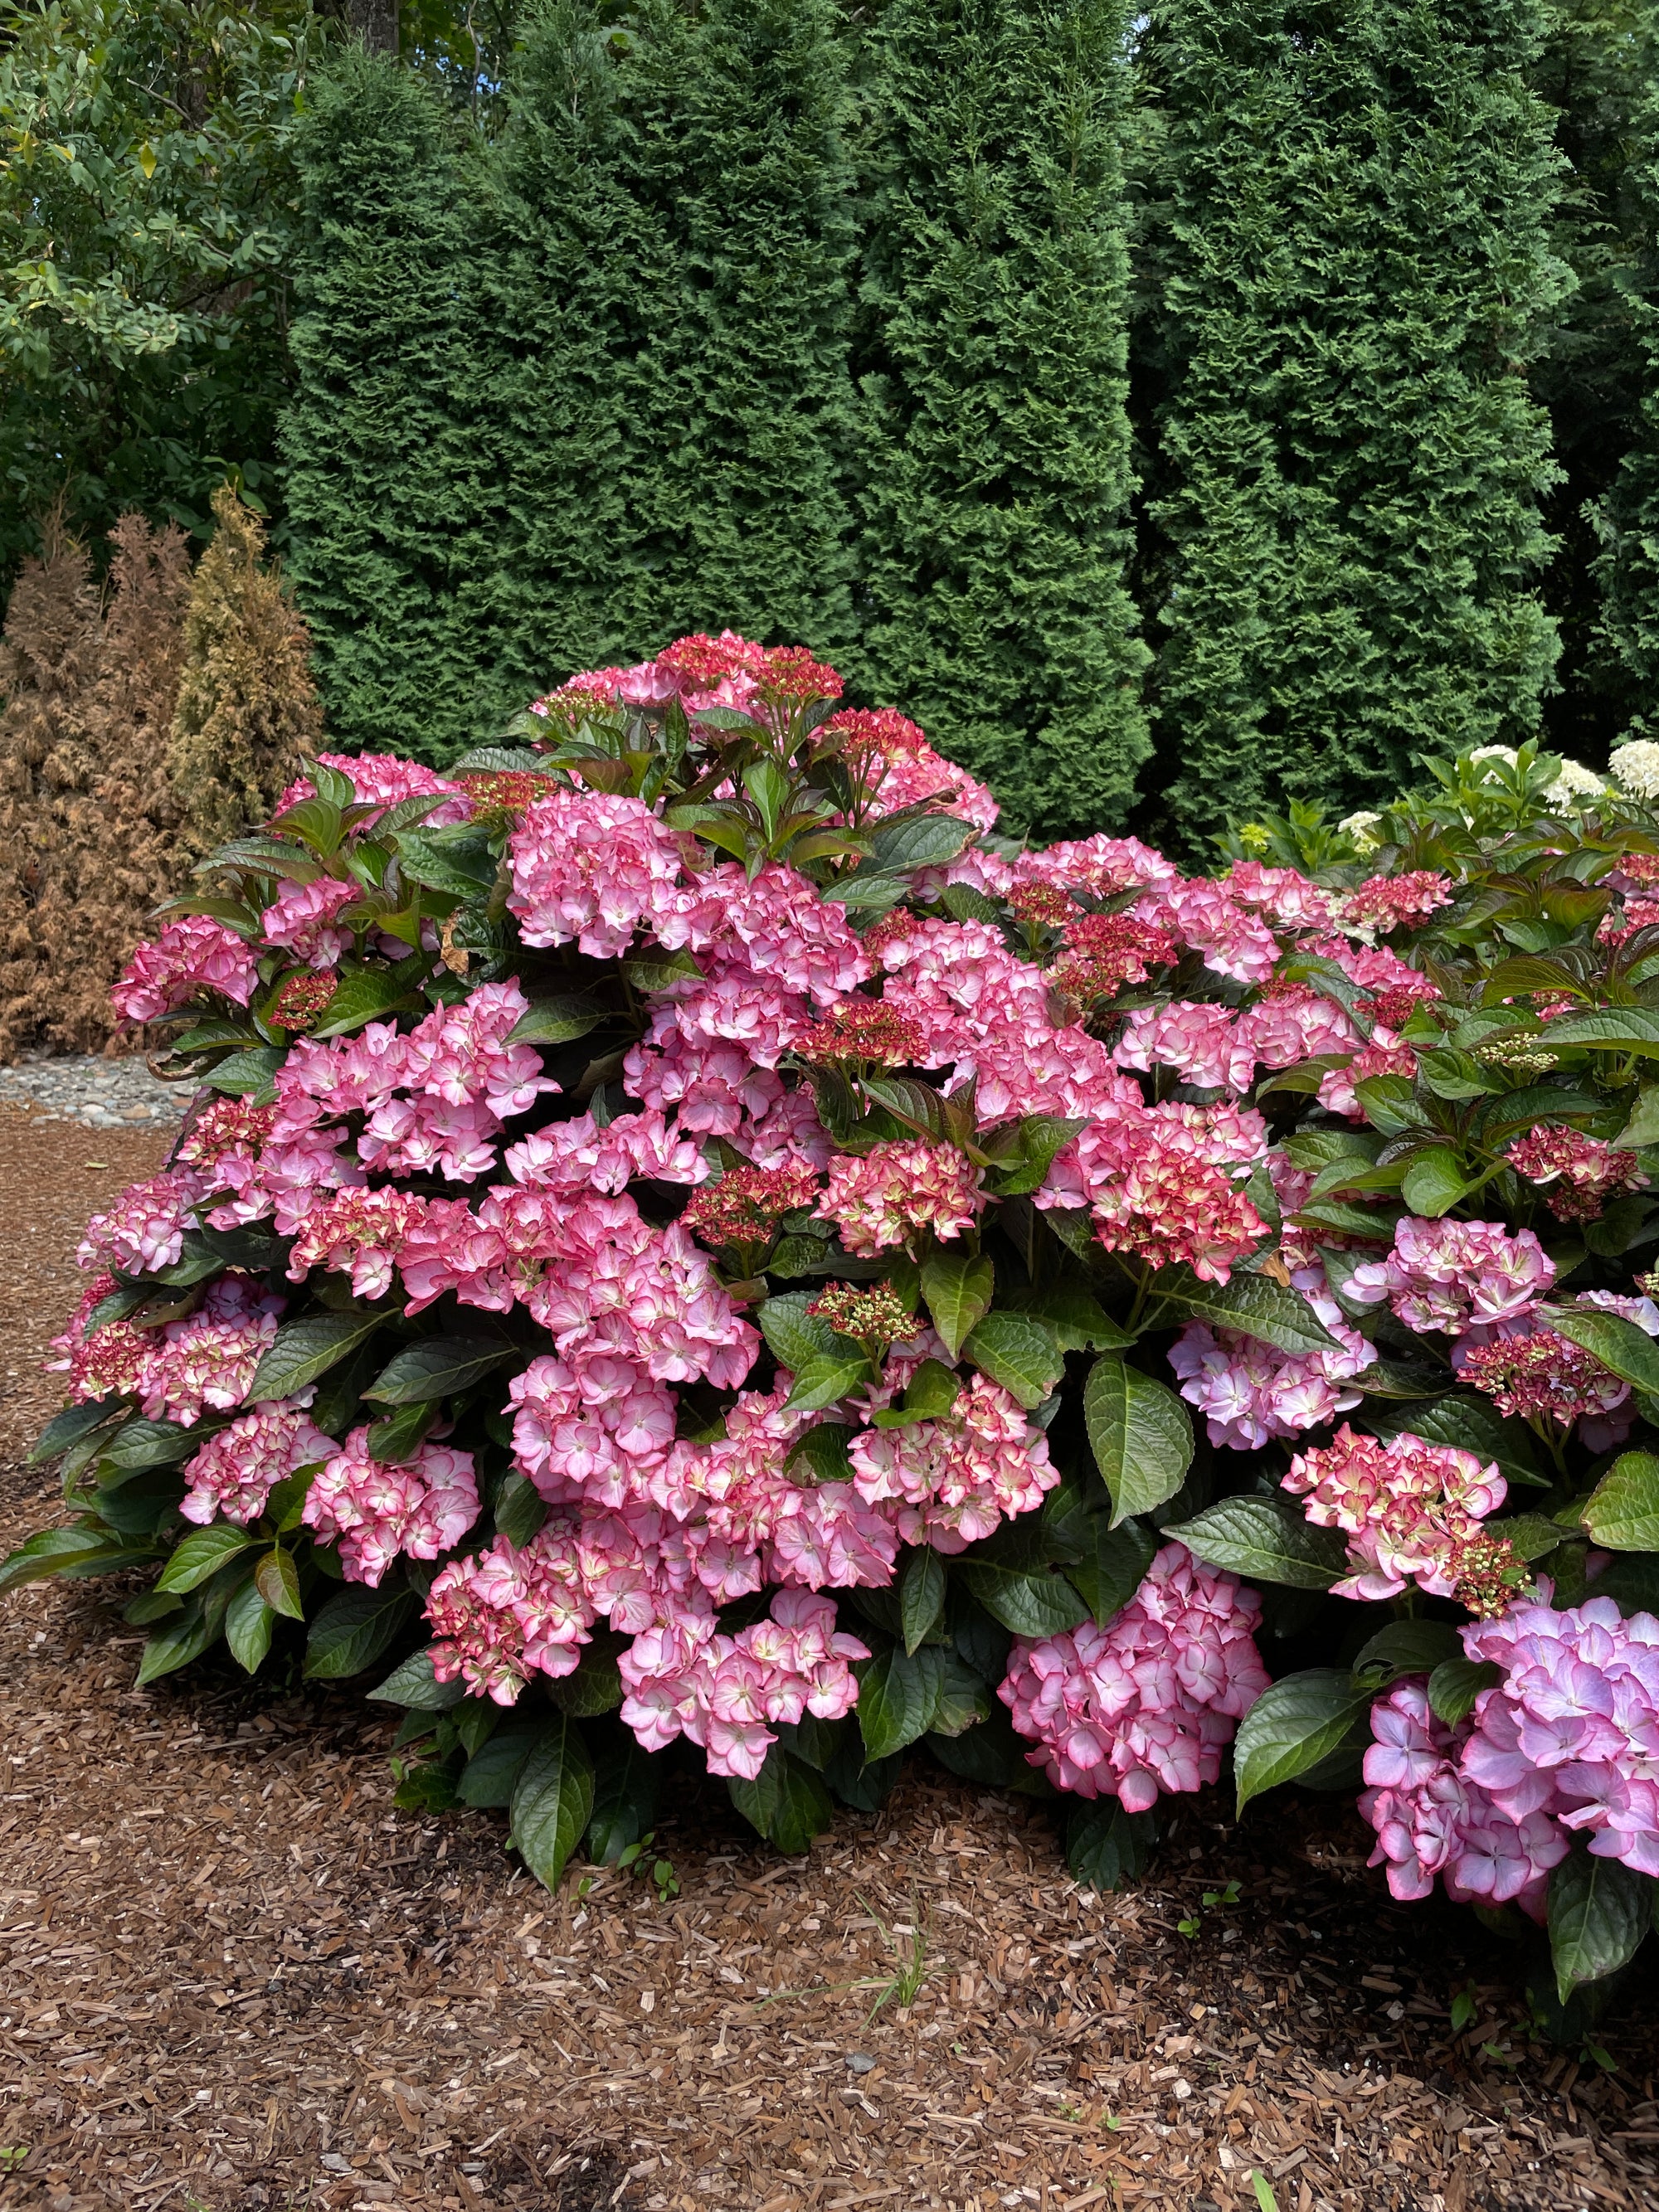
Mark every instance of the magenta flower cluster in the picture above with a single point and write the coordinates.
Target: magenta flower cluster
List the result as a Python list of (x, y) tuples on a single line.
[(1148, 1703)]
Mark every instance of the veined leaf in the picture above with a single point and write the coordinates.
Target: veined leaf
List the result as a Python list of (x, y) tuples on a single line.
[(1018, 1351), (1254, 1304), (898, 1691), (1599, 1911), (1293, 1725), (1140, 1433), (1266, 1538), (1623, 1513), (305, 1349), (957, 1287), (552, 1799), (439, 1367)]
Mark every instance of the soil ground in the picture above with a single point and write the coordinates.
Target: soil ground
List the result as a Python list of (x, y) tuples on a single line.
[(239, 1980)]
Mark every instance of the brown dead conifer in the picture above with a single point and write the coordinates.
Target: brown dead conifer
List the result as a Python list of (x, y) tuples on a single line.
[(49, 652), (248, 712), (88, 824)]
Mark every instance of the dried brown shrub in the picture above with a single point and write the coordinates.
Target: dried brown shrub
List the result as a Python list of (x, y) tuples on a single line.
[(88, 830), (248, 712)]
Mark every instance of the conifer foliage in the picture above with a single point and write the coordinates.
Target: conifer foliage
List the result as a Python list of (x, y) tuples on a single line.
[(564, 392), (87, 823), (1350, 206), (247, 710), (997, 473)]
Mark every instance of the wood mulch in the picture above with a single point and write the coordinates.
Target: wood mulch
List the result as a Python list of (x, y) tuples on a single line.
[(239, 1980)]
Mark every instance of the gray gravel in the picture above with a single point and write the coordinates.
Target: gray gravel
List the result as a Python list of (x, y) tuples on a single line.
[(101, 1094)]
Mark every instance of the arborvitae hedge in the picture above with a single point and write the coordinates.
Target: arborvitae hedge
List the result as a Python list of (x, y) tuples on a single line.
[(1349, 215), (997, 473), (404, 552), (568, 395), (1629, 521)]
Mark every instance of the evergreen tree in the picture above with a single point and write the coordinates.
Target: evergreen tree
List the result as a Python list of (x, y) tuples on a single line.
[(565, 396), (686, 196), (405, 553), (248, 711), (1349, 207), (1589, 374), (996, 456), (1628, 519)]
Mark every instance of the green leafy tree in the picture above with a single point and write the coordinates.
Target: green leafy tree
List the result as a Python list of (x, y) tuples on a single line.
[(997, 455), (1347, 210), (147, 200)]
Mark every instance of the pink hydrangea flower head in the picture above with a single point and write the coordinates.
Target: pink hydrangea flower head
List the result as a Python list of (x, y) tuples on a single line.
[(239, 1466), (593, 866), (144, 1230), (1250, 1391), (1579, 1174), (892, 1194), (305, 919), (190, 957), (418, 1509), (1148, 1704), (956, 1478), (1450, 1274), (1408, 1509), (1205, 1045), (1386, 904)]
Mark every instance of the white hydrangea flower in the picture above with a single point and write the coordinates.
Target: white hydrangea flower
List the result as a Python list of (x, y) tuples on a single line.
[(1635, 769), (1576, 782), (1507, 754), (1362, 827)]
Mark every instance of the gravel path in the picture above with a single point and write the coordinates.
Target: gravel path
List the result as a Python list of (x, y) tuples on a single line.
[(101, 1094)]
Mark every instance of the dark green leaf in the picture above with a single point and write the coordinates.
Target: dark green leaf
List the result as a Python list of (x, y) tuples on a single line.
[(1623, 1513), (827, 1376), (151, 1443), (1599, 1911), (356, 1627), (278, 1581), (964, 1698), (304, 1350), (249, 1622), (184, 1637), (1619, 1029), (1434, 1183), (625, 1792), (69, 1427), (1266, 1538), (415, 1685), (1105, 1846), (1019, 1352), (393, 1440), (820, 1454), (1293, 1725), (363, 995), (1140, 1433), (1457, 1683), (786, 1802), (1406, 1647), (792, 1335), (54, 1552), (931, 1392), (1032, 1603), (957, 1288), (521, 1508), (439, 1367), (1078, 1320), (491, 1775), (1112, 1567), (1630, 1351), (556, 1021), (242, 1072), (552, 1799), (463, 869), (898, 1691), (1254, 1304), (921, 1595), (201, 1554), (596, 1686)]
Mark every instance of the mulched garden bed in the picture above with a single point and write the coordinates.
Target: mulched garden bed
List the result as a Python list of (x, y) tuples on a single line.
[(240, 1980)]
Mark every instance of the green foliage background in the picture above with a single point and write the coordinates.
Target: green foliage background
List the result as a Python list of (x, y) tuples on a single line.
[(574, 324)]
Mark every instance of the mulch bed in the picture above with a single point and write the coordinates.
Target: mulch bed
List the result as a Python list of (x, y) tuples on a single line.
[(240, 1980)]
